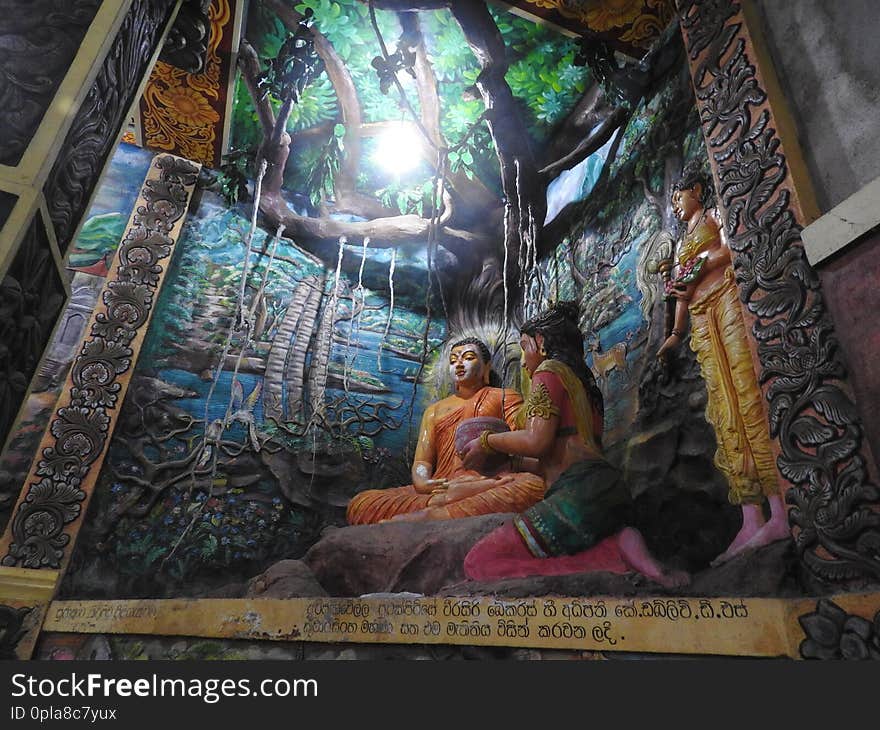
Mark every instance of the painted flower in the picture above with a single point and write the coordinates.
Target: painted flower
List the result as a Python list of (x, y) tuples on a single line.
[(613, 14), (190, 107)]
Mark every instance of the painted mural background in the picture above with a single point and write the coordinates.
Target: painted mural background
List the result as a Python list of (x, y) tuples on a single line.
[(236, 452), (320, 403), (325, 397)]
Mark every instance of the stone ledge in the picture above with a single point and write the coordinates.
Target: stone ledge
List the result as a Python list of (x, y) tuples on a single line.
[(843, 224)]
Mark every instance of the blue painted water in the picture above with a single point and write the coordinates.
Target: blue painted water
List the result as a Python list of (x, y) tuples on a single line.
[(394, 376)]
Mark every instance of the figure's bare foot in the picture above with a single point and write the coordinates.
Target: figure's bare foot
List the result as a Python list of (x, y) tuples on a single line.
[(673, 578), (773, 530), (636, 555), (753, 521)]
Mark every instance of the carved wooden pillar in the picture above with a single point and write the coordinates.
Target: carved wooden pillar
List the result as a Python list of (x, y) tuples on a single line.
[(198, 77), (39, 539), (821, 453)]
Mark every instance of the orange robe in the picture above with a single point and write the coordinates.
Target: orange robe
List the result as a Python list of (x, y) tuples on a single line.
[(375, 505)]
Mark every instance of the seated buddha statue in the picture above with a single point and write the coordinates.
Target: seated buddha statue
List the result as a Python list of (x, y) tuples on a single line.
[(442, 488)]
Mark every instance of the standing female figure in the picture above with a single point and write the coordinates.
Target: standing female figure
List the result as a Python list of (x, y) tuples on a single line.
[(705, 288)]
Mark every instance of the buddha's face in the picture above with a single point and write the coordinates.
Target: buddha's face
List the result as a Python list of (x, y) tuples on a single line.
[(531, 351), (467, 367), (686, 202)]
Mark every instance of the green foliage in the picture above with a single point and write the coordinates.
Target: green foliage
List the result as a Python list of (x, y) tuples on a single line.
[(233, 175), (342, 23), (541, 77), (317, 104), (246, 133), (265, 30), (303, 159), (407, 199), (545, 80), (448, 50), (323, 173), (99, 235), (462, 160)]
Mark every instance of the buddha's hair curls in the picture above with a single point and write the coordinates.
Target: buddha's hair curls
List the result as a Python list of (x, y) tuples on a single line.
[(481, 346)]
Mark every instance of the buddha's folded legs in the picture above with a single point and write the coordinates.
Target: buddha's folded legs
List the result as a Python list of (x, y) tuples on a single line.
[(514, 494), (375, 505)]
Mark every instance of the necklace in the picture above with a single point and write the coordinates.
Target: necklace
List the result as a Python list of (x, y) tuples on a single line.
[(691, 229)]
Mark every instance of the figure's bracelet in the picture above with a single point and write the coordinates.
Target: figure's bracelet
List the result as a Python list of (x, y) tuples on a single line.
[(484, 443), (677, 333)]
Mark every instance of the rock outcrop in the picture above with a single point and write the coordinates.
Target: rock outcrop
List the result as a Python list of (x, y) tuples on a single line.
[(427, 559)]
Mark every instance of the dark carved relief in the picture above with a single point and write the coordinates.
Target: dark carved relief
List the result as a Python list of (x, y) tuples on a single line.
[(31, 297), (832, 633), (40, 41), (80, 429), (96, 126), (187, 44), (811, 415), (7, 203), (12, 630)]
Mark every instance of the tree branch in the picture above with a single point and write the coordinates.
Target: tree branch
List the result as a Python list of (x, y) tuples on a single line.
[(594, 142), (346, 95), (650, 195), (557, 228), (577, 274), (404, 230), (525, 193), (470, 194), (249, 63)]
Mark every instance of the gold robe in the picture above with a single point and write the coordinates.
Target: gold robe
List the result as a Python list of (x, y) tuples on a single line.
[(526, 489), (719, 338)]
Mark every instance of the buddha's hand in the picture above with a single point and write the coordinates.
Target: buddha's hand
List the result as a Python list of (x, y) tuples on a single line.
[(464, 487), (436, 485), (464, 479)]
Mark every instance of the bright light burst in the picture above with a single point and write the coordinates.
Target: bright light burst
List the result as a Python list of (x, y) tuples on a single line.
[(399, 149)]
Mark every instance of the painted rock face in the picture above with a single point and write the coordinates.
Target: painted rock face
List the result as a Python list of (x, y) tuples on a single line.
[(471, 428)]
